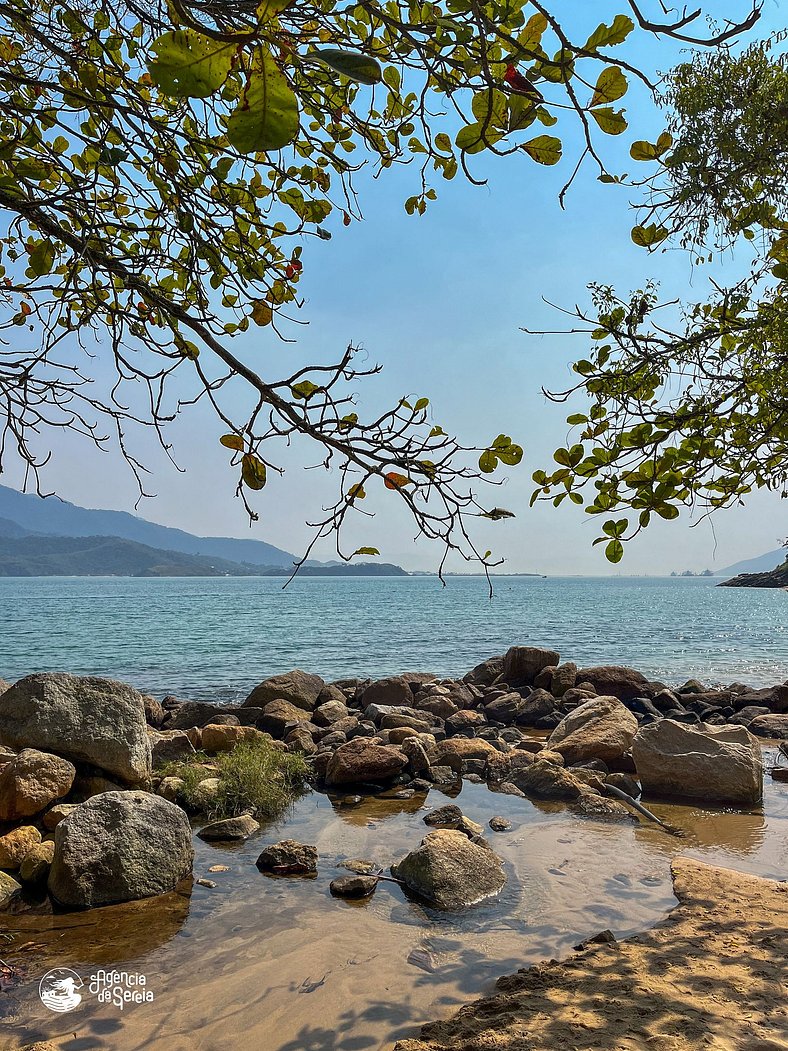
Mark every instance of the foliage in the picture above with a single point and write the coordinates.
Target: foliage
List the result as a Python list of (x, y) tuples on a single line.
[(161, 164), (254, 776), (692, 411)]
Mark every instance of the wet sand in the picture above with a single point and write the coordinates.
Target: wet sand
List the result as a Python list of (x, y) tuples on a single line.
[(276, 964), (713, 975)]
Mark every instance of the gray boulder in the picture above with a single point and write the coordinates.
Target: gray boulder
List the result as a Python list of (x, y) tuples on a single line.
[(716, 764), (298, 687), (775, 726), (393, 690), (450, 872), (120, 846), (599, 729), (96, 721)]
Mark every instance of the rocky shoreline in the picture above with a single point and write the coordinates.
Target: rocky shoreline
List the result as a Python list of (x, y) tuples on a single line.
[(91, 812)]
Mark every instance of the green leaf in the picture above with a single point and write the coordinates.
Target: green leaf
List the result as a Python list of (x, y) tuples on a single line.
[(545, 149), (361, 68), (611, 86), (614, 551), (268, 9), (357, 492), (511, 455), (611, 121), (488, 461), (262, 313), (253, 471), (606, 36), (42, 258), (472, 140), (266, 117), (304, 390), (643, 151), (190, 65), (490, 108), (232, 441), (366, 551), (648, 236)]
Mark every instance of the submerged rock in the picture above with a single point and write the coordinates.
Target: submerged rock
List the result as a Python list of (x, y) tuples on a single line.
[(449, 871), (230, 829), (717, 764), (599, 729), (120, 846), (83, 719), (353, 886), (289, 858)]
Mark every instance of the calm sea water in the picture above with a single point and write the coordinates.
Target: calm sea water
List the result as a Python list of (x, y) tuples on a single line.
[(218, 637)]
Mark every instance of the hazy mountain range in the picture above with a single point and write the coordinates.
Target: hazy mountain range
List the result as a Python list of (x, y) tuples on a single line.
[(761, 564), (50, 537)]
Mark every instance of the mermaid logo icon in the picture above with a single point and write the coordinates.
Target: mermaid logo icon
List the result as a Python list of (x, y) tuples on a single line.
[(58, 990)]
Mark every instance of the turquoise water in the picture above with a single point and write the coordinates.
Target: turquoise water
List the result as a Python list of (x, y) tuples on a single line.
[(217, 637)]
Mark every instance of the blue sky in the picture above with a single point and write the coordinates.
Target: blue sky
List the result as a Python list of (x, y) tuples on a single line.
[(440, 300)]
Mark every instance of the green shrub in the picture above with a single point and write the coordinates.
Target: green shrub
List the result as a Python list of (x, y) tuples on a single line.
[(254, 776)]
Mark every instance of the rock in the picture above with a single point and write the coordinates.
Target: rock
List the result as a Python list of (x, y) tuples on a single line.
[(447, 816), (500, 766), (484, 674), (462, 748), (353, 886), (775, 726), (611, 680), (217, 738), (437, 704), (543, 780), (417, 760), (563, 678), (394, 722), (192, 713), (298, 687), (289, 858), (230, 829), (14, 845), (521, 664), (359, 761), (37, 863), (8, 889), (330, 712), (281, 716), (465, 720), (169, 746), (52, 817), (624, 783), (442, 775), (591, 804), (205, 794), (300, 740), (31, 781), (713, 764), (392, 691), (171, 788), (499, 824), (401, 733), (449, 871), (536, 706), (96, 721), (599, 729), (746, 715), (505, 709), (692, 686), (120, 846), (154, 712)]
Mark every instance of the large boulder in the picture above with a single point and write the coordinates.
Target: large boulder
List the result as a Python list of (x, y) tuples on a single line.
[(599, 729), (218, 738), (775, 726), (716, 764), (298, 687), (32, 781), (462, 748), (279, 717), (96, 721), (544, 780), (449, 871), (521, 664), (484, 674), (393, 690), (120, 846), (361, 760), (612, 680)]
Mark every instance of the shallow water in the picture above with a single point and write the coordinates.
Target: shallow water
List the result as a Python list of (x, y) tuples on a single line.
[(277, 964)]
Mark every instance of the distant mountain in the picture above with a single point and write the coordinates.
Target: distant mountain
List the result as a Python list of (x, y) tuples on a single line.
[(12, 529), (775, 578), (57, 517), (761, 564)]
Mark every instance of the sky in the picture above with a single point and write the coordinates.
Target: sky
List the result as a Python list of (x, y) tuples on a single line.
[(440, 301)]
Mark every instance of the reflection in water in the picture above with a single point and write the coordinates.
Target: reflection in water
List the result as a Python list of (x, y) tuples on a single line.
[(280, 965)]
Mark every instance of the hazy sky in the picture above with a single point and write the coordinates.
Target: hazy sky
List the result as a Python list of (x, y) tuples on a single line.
[(440, 301)]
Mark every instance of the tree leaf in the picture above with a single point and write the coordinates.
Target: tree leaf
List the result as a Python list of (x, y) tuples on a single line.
[(356, 492), (362, 68), (366, 551), (232, 441), (268, 9), (253, 471), (614, 551), (304, 390), (545, 149), (611, 86), (488, 461), (611, 121), (42, 258), (266, 118), (262, 313), (396, 481), (648, 236), (643, 151), (472, 139), (189, 64), (606, 36)]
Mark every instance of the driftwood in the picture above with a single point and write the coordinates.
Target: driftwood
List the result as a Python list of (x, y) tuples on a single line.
[(670, 829)]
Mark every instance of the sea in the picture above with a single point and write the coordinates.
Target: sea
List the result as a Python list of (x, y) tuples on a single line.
[(215, 638)]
